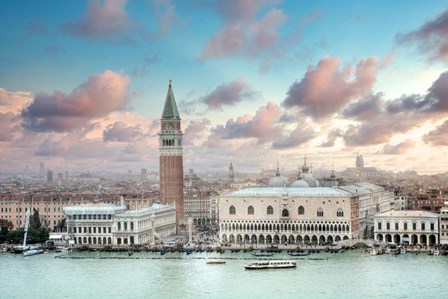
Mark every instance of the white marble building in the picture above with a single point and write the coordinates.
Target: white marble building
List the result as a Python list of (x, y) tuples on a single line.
[(300, 212), (408, 227), (443, 220), (108, 224)]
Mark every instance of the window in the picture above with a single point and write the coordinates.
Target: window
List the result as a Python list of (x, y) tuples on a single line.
[(270, 210), (320, 213), (379, 225), (285, 213), (232, 210), (405, 226), (396, 226), (388, 226), (423, 226), (340, 213), (301, 210), (432, 226), (250, 210), (414, 226)]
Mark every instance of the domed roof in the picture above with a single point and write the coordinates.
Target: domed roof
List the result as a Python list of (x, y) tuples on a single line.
[(312, 182), (300, 184), (278, 181)]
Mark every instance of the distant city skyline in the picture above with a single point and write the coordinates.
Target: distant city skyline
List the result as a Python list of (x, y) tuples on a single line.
[(83, 83)]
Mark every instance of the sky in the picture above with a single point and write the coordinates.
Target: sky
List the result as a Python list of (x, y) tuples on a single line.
[(83, 83)]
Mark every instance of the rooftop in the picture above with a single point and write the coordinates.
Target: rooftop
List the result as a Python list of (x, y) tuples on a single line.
[(93, 208), (422, 214), (291, 192)]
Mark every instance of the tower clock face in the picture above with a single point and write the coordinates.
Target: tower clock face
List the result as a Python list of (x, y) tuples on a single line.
[(167, 126)]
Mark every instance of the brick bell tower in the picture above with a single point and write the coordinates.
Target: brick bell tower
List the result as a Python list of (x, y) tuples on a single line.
[(171, 161)]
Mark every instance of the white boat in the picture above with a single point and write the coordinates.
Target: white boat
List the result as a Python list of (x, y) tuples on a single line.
[(436, 252), (271, 265), (403, 251), (33, 251), (374, 251)]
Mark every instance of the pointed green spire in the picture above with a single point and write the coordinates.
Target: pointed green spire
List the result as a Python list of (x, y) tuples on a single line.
[(170, 108)]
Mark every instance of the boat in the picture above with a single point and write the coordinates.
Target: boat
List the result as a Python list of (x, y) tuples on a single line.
[(215, 262), (271, 265), (374, 251), (262, 254), (23, 248), (403, 251), (34, 250), (436, 252)]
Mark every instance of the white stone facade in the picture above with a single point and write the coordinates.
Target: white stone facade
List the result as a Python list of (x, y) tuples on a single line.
[(107, 224), (408, 227), (288, 215)]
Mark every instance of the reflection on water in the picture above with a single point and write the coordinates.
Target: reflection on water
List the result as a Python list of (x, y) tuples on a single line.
[(148, 275)]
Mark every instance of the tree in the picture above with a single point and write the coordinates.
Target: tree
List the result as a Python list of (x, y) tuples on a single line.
[(35, 220), (5, 227), (61, 226)]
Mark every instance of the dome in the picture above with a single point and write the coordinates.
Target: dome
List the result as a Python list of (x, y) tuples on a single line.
[(300, 184), (312, 182), (278, 181)]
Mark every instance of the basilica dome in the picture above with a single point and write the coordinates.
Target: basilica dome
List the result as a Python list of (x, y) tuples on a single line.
[(278, 181), (300, 184)]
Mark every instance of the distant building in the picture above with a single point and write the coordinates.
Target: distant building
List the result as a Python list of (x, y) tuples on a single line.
[(443, 220), (143, 175), (401, 202), (198, 206), (41, 171), (360, 172), (231, 174), (50, 177), (408, 227)]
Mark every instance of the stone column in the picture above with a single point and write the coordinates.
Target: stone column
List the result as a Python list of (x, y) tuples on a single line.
[(190, 230), (152, 230)]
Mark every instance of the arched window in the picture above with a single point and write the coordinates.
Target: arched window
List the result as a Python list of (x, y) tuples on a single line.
[(232, 210), (340, 213), (250, 210), (270, 210), (285, 213), (301, 210), (320, 213)]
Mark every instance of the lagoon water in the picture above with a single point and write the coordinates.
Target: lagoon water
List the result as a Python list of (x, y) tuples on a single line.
[(352, 274)]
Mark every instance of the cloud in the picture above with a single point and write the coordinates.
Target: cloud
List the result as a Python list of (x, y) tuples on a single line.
[(195, 130), (300, 135), (431, 38), (8, 123), (228, 94), (102, 19), (120, 132), (99, 96), (52, 146), (434, 102), (388, 59), (13, 101), (166, 15), (262, 126), (325, 89), (398, 149), (366, 108), (332, 136), (241, 33), (438, 136)]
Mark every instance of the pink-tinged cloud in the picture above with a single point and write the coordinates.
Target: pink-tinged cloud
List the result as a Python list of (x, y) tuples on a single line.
[(325, 89), (8, 123), (366, 108), (99, 96), (262, 126), (431, 38), (398, 149), (228, 94), (102, 19), (241, 32), (120, 132), (438, 136), (300, 135), (331, 138), (195, 131), (13, 101), (386, 61)]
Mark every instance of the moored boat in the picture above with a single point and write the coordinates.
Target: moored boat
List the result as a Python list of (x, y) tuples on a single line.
[(271, 265), (215, 262), (262, 254), (33, 251)]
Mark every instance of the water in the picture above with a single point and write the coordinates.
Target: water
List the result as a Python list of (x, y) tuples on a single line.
[(348, 275)]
